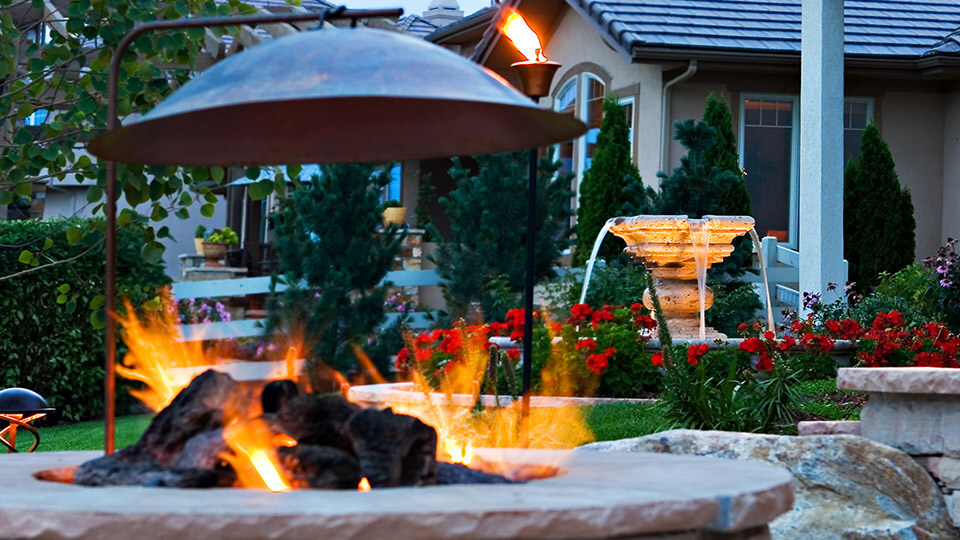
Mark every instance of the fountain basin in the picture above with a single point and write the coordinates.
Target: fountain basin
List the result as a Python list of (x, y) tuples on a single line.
[(600, 495)]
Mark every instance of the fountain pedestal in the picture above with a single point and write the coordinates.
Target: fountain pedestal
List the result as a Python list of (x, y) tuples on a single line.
[(670, 247)]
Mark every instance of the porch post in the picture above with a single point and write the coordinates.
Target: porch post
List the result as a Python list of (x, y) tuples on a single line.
[(821, 147)]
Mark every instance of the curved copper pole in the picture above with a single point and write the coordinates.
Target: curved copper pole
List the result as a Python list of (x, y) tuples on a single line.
[(20, 423), (112, 124)]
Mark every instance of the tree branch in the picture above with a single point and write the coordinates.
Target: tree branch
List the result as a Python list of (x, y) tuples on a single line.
[(55, 263)]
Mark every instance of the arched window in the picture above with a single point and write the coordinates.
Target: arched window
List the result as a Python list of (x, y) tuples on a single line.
[(582, 97)]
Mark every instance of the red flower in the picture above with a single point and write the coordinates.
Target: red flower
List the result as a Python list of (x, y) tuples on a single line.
[(645, 321), (403, 357), (636, 306), (787, 343), (765, 363), (817, 343), (585, 344), (657, 359), (742, 327), (513, 354), (769, 335), (423, 355), (498, 328), (600, 316), (695, 352), (516, 335), (597, 363), (579, 313), (452, 343), (833, 326), (610, 352), (555, 328), (423, 339), (752, 345)]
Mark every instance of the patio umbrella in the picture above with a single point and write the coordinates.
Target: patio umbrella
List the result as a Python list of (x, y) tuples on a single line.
[(327, 96)]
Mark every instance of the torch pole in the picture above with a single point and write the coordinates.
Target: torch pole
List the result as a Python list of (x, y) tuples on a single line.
[(109, 377), (528, 296)]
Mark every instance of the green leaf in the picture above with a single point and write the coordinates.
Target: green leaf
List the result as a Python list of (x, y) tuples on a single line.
[(24, 190), (217, 174), (36, 64), (6, 198), (185, 199), (97, 302), (71, 306), (260, 190), (124, 218), (153, 304), (293, 171), (23, 136), (207, 210), (98, 319), (47, 244), (74, 233), (253, 173), (200, 174), (152, 252), (62, 299), (94, 194), (182, 213), (65, 288), (26, 257)]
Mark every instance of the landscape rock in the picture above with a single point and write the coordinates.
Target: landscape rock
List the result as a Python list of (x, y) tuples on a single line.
[(900, 380), (829, 427), (846, 486), (918, 424)]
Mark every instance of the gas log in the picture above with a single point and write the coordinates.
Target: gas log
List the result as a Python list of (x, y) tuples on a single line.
[(336, 443)]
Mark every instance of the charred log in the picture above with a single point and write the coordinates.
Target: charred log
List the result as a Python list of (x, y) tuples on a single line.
[(320, 467), (276, 394), (455, 473), (109, 471), (394, 449), (319, 421)]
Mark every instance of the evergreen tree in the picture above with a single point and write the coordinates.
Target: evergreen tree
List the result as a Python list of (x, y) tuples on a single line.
[(878, 221), (700, 187), (609, 186), (723, 154), (484, 259), (328, 235)]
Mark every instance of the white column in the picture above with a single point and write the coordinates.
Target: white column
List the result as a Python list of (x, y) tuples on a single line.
[(821, 147)]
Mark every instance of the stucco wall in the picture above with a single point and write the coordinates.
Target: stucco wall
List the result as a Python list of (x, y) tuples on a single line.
[(70, 201), (951, 167), (574, 44), (913, 125)]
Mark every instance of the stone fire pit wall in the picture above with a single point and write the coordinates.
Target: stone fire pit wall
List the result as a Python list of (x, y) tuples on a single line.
[(916, 410)]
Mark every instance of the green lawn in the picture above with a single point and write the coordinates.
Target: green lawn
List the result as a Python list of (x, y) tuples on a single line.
[(84, 435), (608, 421)]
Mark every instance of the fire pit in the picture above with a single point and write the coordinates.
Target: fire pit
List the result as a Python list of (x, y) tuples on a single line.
[(600, 495)]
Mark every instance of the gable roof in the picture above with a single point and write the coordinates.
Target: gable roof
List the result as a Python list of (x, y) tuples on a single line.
[(416, 25), (877, 28)]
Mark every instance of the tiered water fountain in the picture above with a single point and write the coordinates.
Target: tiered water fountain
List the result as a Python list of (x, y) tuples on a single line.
[(679, 251)]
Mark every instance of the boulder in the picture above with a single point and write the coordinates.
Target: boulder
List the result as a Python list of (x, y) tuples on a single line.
[(846, 486)]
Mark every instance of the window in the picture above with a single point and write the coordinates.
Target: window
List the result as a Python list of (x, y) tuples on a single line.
[(857, 113), (627, 104), (37, 118), (769, 150), (582, 97)]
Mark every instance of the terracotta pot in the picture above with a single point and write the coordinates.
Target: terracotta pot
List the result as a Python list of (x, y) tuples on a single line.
[(198, 244), (214, 252), (396, 214)]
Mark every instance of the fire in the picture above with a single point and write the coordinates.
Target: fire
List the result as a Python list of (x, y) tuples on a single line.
[(515, 27), (364, 485), (155, 354), (460, 429), (253, 456)]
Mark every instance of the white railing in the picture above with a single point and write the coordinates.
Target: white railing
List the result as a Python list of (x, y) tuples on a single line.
[(222, 288), (783, 273)]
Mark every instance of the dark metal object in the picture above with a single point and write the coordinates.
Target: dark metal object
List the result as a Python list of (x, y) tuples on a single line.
[(15, 404), (535, 78), (337, 95), (311, 98)]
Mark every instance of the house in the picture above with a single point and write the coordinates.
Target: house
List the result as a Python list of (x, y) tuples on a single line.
[(663, 57)]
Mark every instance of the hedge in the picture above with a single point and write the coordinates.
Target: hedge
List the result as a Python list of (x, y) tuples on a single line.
[(48, 341)]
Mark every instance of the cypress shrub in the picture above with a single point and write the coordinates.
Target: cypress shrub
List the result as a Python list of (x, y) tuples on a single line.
[(611, 187), (878, 221)]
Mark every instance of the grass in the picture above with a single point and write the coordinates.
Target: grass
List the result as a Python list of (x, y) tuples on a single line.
[(84, 435), (612, 421), (814, 397)]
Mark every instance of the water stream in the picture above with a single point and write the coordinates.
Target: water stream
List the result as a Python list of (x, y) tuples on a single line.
[(700, 238), (763, 272), (593, 257)]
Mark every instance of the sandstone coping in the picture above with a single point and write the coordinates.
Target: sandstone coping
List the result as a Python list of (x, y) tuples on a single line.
[(378, 395), (601, 496), (828, 427), (901, 380)]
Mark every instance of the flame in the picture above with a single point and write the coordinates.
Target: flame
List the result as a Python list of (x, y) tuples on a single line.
[(461, 428), (253, 456), (515, 27), (364, 485), (154, 353)]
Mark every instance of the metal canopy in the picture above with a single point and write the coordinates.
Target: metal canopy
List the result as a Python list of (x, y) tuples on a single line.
[(337, 95)]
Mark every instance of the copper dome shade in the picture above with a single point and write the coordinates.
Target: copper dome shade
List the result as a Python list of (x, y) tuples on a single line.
[(336, 95)]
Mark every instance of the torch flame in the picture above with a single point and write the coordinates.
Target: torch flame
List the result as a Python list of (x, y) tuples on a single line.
[(515, 27), (364, 485)]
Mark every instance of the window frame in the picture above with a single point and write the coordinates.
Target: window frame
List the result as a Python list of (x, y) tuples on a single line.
[(793, 224), (632, 101)]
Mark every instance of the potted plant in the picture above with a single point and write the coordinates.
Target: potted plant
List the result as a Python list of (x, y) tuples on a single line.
[(394, 212), (215, 247), (198, 238)]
